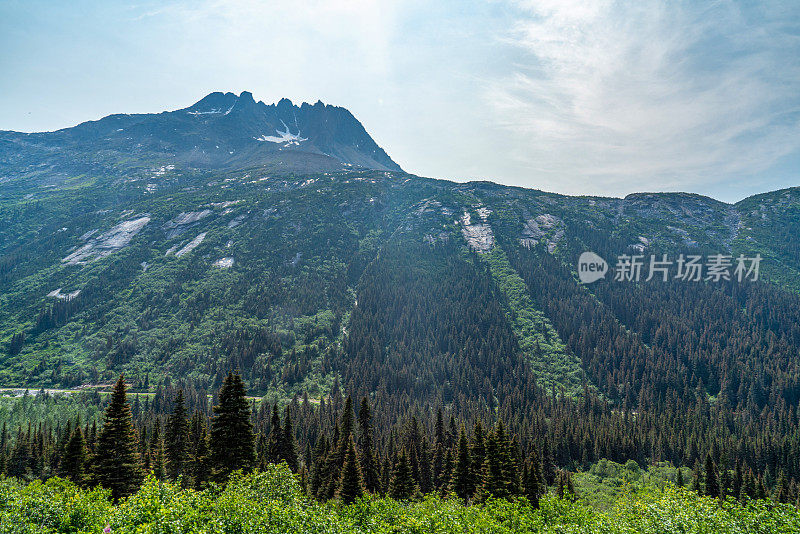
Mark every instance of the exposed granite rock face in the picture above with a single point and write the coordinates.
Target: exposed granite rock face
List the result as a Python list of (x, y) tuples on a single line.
[(479, 235), (108, 243)]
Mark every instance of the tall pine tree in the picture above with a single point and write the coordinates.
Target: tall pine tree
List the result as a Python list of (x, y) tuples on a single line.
[(351, 486), (369, 466), (177, 435), (73, 463), (232, 438), (116, 459)]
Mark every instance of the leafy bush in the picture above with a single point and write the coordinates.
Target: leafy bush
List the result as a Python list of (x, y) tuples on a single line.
[(53, 506), (273, 502)]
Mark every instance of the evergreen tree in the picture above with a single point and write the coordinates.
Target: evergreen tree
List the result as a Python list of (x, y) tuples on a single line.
[(781, 493), (369, 466), (177, 435), (346, 431), (498, 473), (564, 485), (462, 482), (738, 479), (386, 476), (116, 459), (200, 459), (438, 450), (748, 490), (275, 441), (19, 464), (289, 444), (535, 485), (318, 467), (232, 439), (73, 462), (402, 486), (711, 481), (695, 485), (725, 485), (157, 452), (425, 467), (478, 448), (351, 486), (679, 481)]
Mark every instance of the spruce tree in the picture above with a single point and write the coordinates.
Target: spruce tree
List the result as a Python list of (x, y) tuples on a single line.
[(402, 486), (738, 479), (19, 464), (478, 449), (438, 450), (748, 490), (462, 482), (232, 439), (157, 452), (425, 467), (275, 441), (696, 485), (499, 472), (200, 458), (73, 462), (177, 435), (320, 454), (351, 486), (289, 444), (781, 493), (346, 430), (116, 459), (564, 485), (369, 466), (711, 480), (534, 482)]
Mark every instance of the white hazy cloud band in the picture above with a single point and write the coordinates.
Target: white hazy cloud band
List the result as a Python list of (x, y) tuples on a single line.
[(665, 93)]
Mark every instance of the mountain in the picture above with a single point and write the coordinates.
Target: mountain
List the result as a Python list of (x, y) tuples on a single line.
[(128, 244), (221, 131)]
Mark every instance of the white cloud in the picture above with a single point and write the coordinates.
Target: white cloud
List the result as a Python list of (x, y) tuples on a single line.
[(613, 95)]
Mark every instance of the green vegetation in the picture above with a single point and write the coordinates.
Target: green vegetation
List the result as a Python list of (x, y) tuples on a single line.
[(552, 362), (273, 501), (606, 481), (49, 409)]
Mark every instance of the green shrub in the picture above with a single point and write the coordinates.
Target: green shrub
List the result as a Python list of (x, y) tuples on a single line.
[(273, 502)]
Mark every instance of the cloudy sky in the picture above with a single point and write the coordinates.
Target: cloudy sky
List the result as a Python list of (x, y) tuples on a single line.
[(580, 97)]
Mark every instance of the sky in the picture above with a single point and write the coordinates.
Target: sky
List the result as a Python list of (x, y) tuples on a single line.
[(580, 97)]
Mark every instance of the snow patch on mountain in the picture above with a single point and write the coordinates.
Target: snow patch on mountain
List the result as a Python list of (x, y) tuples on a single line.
[(285, 137)]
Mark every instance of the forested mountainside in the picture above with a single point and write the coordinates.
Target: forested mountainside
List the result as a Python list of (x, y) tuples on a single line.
[(315, 272)]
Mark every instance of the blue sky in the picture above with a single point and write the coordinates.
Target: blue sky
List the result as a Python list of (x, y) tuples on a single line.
[(579, 97)]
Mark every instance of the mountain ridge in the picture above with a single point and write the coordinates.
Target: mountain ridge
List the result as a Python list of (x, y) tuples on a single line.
[(220, 131), (86, 237)]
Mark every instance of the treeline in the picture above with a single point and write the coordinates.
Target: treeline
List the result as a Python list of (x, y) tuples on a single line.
[(343, 463), (334, 449)]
